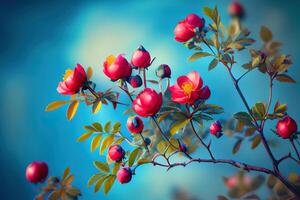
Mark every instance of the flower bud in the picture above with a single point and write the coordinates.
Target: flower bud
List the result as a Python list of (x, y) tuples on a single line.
[(163, 71), (236, 10), (37, 172), (124, 175), (205, 93), (135, 81), (135, 125), (216, 129), (141, 58), (116, 153), (286, 127)]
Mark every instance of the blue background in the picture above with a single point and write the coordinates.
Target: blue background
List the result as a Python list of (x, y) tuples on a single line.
[(39, 40)]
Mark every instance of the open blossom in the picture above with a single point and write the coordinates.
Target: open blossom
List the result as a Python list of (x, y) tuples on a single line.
[(188, 89), (116, 67), (72, 81), (185, 29), (147, 103)]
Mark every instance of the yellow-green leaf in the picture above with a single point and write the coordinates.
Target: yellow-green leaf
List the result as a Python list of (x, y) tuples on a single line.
[(68, 181), (99, 183), (66, 173), (94, 178), (107, 127), (90, 128), (54, 195), (98, 126), (101, 166), (265, 34), (178, 125), (133, 155), (115, 168), (116, 127), (95, 142), (208, 12), (237, 146), (256, 141), (108, 184), (198, 55), (143, 161), (106, 142), (72, 109), (285, 78), (56, 104), (73, 191), (96, 106), (89, 72), (84, 137)]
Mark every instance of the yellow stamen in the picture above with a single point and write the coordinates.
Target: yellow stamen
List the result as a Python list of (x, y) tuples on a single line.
[(68, 73), (110, 59), (187, 88)]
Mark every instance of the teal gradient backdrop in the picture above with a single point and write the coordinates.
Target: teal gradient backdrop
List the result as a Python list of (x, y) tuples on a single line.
[(39, 40)]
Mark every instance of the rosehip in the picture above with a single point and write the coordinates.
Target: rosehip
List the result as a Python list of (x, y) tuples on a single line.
[(216, 129), (135, 81), (124, 175), (163, 71), (135, 124), (141, 58), (236, 10), (116, 153), (204, 93), (147, 141), (36, 172), (286, 127)]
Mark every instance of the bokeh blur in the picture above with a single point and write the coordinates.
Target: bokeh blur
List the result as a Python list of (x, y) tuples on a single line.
[(40, 39)]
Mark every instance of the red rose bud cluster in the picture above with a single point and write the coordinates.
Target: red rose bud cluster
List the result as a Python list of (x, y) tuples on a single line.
[(37, 172), (186, 29), (135, 81), (116, 67), (141, 58), (286, 127), (72, 81), (216, 129), (147, 103), (188, 89), (116, 153), (135, 125), (236, 10), (163, 71), (124, 175)]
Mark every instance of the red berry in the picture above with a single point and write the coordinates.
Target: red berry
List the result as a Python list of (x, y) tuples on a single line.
[(216, 129), (124, 175), (135, 81), (236, 10), (116, 153), (286, 127), (135, 124), (36, 172), (141, 58)]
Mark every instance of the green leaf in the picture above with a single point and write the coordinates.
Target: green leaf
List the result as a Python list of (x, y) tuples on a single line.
[(54, 195), (133, 155), (265, 34), (66, 173), (237, 146), (94, 178), (101, 166), (250, 131), (98, 126), (116, 127), (106, 143), (96, 142), (208, 12), (100, 182), (96, 106), (143, 161), (116, 168), (256, 141), (256, 60), (74, 192), (84, 137), (108, 184), (244, 117), (175, 127), (107, 127), (55, 105), (285, 78), (198, 55), (72, 109), (259, 110), (90, 128), (282, 108), (213, 64)]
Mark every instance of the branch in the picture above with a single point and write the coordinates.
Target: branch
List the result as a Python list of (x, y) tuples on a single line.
[(294, 146)]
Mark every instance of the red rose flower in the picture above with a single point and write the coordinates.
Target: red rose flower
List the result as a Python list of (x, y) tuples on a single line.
[(147, 103), (235, 9), (141, 58), (72, 81), (185, 29), (116, 68), (116, 153), (188, 89), (135, 124), (36, 172), (286, 127), (124, 175), (216, 129)]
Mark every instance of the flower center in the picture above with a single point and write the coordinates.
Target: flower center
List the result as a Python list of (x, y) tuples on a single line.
[(187, 88), (68, 73), (110, 59)]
